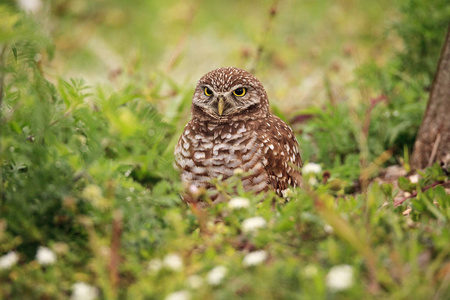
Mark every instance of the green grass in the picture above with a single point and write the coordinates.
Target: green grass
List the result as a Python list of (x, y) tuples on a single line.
[(96, 93)]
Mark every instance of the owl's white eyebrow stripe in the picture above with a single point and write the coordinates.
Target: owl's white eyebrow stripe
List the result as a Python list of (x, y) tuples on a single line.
[(208, 86), (233, 88), (237, 86)]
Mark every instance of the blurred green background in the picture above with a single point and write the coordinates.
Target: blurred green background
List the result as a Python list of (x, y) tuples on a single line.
[(302, 42)]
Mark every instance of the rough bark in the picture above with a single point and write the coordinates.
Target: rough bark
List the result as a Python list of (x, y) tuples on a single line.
[(433, 139)]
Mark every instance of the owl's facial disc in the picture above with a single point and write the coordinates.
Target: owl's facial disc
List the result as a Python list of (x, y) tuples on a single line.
[(220, 104), (229, 93), (226, 103)]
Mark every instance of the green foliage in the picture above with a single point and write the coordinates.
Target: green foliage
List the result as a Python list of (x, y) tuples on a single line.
[(329, 137), (62, 143), (406, 79), (422, 29), (333, 135), (86, 170)]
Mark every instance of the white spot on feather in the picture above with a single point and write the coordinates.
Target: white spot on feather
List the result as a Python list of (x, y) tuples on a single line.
[(241, 130), (199, 155)]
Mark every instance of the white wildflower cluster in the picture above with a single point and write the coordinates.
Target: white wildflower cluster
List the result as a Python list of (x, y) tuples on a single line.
[(328, 228), (32, 6), (414, 178), (45, 256), (287, 193), (340, 278), (194, 190), (83, 291), (155, 265), (8, 260), (238, 203), (254, 258), (311, 168), (194, 281), (179, 295), (253, 224), (216, 275), (173, 262)]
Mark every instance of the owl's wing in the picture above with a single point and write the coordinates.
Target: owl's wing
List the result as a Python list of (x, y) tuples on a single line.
[(281, 157)]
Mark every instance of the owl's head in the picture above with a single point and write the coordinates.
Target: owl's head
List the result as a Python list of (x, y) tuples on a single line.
[(229, 93)]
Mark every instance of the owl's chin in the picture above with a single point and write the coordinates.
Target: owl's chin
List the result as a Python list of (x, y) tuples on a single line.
[(214, 117)]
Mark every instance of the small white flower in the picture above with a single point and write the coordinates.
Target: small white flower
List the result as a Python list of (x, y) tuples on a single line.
[(179, 295), (194, 281), (216, 275), (255, 258), (286, 193), (8, 260), (155, 265), (238, 202), (253, 224), (174, 262), (310, 271), (32, 6), (312, 180), (414, 178), (193, 189), (328, 228), (311, 168), (45, 256), (340, 278), (83, 291)]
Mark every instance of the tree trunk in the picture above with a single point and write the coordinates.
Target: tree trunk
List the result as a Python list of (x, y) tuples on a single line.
[(433, 140)]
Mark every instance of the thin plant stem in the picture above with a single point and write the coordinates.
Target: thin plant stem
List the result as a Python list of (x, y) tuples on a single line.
[(2, 84)]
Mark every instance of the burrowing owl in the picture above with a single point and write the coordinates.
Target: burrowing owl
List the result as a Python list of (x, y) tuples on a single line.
[(232, 128)]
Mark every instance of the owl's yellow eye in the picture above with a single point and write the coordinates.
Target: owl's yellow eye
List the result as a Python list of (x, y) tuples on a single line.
[(208, 92), (240, 92)]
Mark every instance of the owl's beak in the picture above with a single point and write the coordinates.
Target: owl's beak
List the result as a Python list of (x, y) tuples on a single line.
[(220, 106)]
